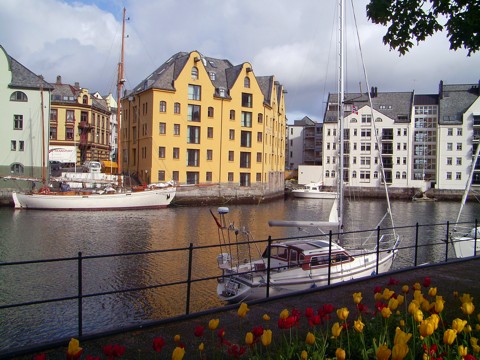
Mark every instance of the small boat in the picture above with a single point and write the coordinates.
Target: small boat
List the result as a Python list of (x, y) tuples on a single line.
[(313, 191), (466, 242), (295, 265)]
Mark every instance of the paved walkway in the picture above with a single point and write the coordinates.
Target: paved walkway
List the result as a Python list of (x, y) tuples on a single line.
[(461, 276)]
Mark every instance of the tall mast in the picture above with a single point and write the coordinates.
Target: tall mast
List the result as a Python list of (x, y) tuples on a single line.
[(121, 80), (341, 107), (44, 153)]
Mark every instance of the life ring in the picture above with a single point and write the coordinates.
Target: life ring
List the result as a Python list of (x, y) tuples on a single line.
[(44, 190)]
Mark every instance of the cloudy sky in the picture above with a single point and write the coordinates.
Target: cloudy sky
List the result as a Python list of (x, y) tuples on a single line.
[(295, 41)]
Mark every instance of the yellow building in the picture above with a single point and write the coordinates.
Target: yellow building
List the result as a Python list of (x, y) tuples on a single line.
[(200, 120), (79, 125)]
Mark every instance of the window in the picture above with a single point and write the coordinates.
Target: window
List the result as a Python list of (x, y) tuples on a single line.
[(13, 145), (246, 119), (70, 116), (244, 179), (230, 176), (212, 75), (208, 176), (375, 174), (260, 118), (246, 100), (404, 175), (162, 128), (176, 153), (365, 147), (459, 146), (209, 154), (364, 175), (163, 106), (210, 111), (397, 175), (449, 161), (18, 122), (366, 119), (459, 161), (193, 113), (161, 152), (194, 73), (327, 173), (17, 168), (176, 129), (365, 160), (259, 177), (449, 132), (161, 175), (459, 132), (210, 132), (449, 146), (259, 157), (193, 157), (259, 136), (231, 134), (231, 156), (246, 139), (176, 108), (246, 82), (232, 114), (69, 133), (18, 96), (193, 134), (192, 177), (366, 133), (449, 175), (53, 114), (175, 175), (245, 159), (83, 117), (53, 133), (458, 176), (194, 92)]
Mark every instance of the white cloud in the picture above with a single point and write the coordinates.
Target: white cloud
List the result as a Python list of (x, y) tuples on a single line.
[(80, 40)]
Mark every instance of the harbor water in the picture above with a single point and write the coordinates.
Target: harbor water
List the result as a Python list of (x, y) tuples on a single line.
[(40, 235)]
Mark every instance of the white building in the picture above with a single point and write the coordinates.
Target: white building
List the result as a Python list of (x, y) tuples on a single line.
[(304, 143)]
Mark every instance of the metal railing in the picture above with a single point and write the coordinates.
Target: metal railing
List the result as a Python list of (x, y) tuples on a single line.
[(438, 236)]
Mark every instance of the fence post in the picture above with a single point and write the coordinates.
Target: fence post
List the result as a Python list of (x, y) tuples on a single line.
[(416, 244), (475, 238), (446, 241), (189, 278), (80, 296), (329, 256), (378, 250), (269, 250)]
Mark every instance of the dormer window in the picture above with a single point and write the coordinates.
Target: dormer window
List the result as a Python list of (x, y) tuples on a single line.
[(85, 100), (194, 73), (246, 82), (212, 76), (18, 96)]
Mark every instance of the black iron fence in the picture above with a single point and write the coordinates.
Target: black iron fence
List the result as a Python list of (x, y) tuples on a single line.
[(420, 244)]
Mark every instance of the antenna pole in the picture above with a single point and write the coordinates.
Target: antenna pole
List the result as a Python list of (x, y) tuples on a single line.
[(120, 82)]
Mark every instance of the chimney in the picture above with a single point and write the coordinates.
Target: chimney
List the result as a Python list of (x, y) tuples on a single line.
[(59, 80), (77, 85), (440, 89)]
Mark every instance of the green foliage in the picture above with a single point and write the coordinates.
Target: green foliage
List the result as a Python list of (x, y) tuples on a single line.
[(410, 20)]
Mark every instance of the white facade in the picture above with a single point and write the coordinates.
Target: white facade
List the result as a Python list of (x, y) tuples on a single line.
[(295, 146)]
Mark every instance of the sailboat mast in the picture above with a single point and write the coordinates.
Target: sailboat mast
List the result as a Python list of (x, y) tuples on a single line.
[(341, 113), (44, 153), (120, 81)]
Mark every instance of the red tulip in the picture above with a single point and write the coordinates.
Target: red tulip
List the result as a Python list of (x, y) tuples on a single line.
[(158, 344), (199, 331), (426, 281), (41, 356), (257, 331)]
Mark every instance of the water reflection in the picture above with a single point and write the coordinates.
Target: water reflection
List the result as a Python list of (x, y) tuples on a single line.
[(28, 235)]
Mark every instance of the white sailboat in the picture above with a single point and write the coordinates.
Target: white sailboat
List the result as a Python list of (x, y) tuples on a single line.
[(109, 198), (313, 191), (466, 242), (299, 264)]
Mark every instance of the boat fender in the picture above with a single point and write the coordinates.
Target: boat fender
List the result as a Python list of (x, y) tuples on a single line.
[(373, 273), (44, 190), (313, 286)]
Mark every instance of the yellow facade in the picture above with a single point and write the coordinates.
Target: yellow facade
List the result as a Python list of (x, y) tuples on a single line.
[(238, 137)]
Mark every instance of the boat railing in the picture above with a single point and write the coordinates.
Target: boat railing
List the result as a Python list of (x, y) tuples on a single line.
[(90, 292)]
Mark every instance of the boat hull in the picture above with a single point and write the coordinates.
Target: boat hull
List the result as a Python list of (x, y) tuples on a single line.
[(305, 194), (465, 246), (237, 288), (149, 199)]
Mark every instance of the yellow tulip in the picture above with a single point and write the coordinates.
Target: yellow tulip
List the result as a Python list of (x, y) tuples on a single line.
[(418, 296), (266, 337), (426, 328), (399, 351), (383, 352), (386, 312), (357, 297), (393, 304), (213, 324), (467, 329), (176, 338), (475, 346), (378, 296), (462, 351), (340, 354), (178, 353), (405, 289), (435, 319), (343, 313), (401, 337), (426, 305), (387, 294), (249, 338), (402, 323), (310, 340), (400, 299), (439, 304), (265, 317), (417, 286), (468, 308), (412, 308), (432, 291), (418, 315), (358, 325), (336, 329), (455, 294), (243, 310), (201, 347), (304, 355), (284, 314), (466, 298), (449, 336), (458, 325), (74, 350)]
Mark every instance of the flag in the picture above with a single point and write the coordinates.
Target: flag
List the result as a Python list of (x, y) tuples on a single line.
[(354, 110)]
